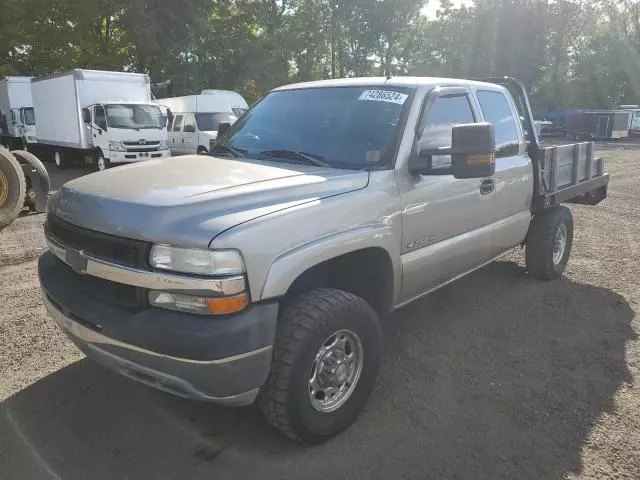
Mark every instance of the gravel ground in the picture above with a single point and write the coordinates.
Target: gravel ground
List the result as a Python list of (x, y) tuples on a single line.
[(495, 376)]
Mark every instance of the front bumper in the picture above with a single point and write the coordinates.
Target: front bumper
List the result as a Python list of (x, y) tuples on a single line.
[(224, 360), (122, 157)]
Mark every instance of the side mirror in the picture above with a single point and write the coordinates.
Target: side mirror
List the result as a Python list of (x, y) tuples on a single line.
[(473, 149), (189, 129), (86, 115), (223, 127)]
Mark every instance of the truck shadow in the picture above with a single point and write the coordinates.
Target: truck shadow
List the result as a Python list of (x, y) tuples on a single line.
[(496, 376)]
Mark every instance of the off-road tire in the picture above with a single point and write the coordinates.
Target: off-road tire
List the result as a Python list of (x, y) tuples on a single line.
[(305, 323), (13, 188), (540, 243), (30, 159)]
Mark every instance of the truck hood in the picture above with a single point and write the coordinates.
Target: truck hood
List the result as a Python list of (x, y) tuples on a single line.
[(187, 201)]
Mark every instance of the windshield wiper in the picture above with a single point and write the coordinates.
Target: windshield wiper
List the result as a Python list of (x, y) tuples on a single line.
[(235, 153), (296, 156)]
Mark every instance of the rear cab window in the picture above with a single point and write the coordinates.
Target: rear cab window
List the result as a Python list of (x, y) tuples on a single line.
[(445, 113), (497, 111)]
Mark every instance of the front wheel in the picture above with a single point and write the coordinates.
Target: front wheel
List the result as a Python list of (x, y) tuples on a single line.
[(549, 243), (325, 365), (101, 162)]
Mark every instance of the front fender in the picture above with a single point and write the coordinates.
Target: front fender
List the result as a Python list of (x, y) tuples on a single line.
[(289, 266)]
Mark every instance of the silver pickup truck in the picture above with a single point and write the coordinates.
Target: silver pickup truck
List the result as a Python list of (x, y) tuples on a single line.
[(261, 272)]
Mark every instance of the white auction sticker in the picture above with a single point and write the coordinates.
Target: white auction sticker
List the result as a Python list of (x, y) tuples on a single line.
[(383, 96)]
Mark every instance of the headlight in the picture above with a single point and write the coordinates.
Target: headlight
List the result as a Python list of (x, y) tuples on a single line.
[(163, 145), (197, 261), (117, 147), (198, 305)]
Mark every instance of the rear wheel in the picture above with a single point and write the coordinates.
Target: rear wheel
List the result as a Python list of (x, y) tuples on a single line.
[(549, 243), (12, 188), (59, 159), (202, 151), (325, 364)]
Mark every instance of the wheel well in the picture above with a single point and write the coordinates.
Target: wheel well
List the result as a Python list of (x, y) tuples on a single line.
[(367, 273)]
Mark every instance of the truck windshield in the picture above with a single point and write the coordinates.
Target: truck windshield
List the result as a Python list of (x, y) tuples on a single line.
[(344, 127), (208, 122), (134, 116), (29, 117)]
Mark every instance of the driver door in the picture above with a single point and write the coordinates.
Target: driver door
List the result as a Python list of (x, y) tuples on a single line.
[(446, 221)]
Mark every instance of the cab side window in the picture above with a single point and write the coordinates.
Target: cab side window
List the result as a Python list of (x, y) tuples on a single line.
[(177, 123), (444, 114), (189, 123), (496, 110), (99, 117)]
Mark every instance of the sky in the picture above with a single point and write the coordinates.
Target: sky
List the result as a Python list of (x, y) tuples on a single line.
[(430, 9)]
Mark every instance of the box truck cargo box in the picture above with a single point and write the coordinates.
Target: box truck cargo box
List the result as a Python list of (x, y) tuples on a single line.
[(17, 120), (105, 117)]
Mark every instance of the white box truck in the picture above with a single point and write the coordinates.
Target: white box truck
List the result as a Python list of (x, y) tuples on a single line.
[(101, 117), (193, 120), (17, 121)]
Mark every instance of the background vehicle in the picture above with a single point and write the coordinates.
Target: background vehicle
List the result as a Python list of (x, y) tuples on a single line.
[(634, 126), (17, 120), (101, 117), (194, 119), (261, 272), (599, 124)]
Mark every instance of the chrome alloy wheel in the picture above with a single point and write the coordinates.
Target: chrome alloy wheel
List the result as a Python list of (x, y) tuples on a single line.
[(335, 371), (559, 243)]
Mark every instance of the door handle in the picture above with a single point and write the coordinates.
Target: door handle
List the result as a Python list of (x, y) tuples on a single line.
[(183, 140), (487, 186)]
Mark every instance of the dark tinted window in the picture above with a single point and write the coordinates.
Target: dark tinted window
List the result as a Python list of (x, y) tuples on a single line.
[(444, 114), (496, 110), (177, 123), (208, 122), (350, 127)]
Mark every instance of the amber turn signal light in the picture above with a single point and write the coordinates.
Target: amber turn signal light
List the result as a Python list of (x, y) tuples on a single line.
[(227, 305)]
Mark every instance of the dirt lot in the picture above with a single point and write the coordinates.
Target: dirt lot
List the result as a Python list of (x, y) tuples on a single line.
[(496, 376)]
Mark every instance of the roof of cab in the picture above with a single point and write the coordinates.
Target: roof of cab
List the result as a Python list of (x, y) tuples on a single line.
[(387, 82)]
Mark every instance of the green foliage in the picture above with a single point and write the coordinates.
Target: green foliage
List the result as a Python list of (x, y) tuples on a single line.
[(568, 52)]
